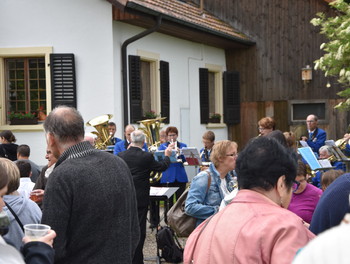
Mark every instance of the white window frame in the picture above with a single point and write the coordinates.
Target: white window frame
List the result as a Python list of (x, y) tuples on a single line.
[(16, 53)]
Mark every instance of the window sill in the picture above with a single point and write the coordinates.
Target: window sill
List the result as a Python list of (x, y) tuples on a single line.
[(216, 125), (38, 127)]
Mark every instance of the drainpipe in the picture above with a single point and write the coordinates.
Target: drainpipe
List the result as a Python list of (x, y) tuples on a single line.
[(125, 64)]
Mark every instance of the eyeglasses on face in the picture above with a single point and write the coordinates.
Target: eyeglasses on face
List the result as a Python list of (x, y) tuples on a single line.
[(172, 135), (232, 155), (295, 186)]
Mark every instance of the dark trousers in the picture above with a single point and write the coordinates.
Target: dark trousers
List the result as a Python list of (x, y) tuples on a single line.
[(142, 214), (154, 205)]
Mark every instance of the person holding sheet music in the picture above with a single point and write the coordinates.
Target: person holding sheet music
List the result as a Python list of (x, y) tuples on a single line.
[(175, 175), (209, 188), (317, 136)]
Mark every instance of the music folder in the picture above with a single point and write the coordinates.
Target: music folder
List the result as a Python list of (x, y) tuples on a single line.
[(314, 163), (159, 156), (192, 156)]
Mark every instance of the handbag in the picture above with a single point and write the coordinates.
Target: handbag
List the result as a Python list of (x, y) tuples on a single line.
[(178, 220)]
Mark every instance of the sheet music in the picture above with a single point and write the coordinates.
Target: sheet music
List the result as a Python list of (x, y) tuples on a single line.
[(192, 156), (158, 191), (325, 163), (303, 143), (310, 158)]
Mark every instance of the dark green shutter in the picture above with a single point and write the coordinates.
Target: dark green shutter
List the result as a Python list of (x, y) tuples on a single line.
[(63, 80), (135, 88), (204, 95), (165, 90), (232, 113)]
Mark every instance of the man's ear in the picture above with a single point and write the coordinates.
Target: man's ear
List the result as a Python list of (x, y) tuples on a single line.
[(50, 139)]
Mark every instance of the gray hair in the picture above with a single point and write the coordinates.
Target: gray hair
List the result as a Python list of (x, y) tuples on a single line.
[(66, 124), (325, 148), (138, 138)]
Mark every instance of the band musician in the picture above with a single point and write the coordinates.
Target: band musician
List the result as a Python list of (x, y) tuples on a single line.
[(317, 136), (208, 140), (325, 153), (124, 144)]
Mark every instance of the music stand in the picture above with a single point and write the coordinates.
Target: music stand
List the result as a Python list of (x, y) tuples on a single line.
[(339, 155), (158, 194), (192, 156)]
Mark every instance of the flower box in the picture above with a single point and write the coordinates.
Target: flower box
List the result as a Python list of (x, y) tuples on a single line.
[(214, 120), (24, 121)]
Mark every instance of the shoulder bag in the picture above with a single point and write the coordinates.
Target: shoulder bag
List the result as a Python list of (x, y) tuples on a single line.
[(178, 220)]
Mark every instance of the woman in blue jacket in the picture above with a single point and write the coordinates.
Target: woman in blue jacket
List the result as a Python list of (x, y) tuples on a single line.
[(209, 188)]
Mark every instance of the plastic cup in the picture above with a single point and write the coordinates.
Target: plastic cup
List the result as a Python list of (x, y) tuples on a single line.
[(35, 231)]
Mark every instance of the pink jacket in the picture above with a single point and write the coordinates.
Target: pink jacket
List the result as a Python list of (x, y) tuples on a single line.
[(251, 229)]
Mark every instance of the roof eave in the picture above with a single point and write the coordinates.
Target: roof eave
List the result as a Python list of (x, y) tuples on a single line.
[(142, 9)]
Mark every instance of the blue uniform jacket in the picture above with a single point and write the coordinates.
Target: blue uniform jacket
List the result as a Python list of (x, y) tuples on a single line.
[(122, 146), (317, 179), (317, 139), (205, 156), (176, 171)]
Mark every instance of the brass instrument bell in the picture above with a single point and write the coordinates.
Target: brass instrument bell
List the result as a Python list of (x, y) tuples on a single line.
[(100, 123), (151, 128)]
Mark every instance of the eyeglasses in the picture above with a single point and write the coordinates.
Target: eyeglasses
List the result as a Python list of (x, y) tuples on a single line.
[(171, 135), (232, 155), (261, 128), (310, 121), (295, 186)]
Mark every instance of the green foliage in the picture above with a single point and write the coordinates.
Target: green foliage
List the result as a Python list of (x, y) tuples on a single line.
[(336, 60), (20, 115), (150, 114)]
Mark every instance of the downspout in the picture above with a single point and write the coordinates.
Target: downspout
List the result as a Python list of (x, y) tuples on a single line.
[(125, 64)]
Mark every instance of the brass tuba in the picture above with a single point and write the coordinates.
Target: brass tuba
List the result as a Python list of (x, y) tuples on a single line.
[(151, 128), (100, 123)]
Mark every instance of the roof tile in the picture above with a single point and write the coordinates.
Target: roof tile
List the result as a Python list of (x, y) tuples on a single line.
[(190, 14)]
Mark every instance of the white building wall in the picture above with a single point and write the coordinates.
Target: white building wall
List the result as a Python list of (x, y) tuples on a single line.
[(82, 27), (185, 58), (85, 28)]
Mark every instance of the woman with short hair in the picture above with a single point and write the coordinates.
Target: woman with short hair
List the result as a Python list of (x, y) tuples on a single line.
[(266, 125), (209, 188)]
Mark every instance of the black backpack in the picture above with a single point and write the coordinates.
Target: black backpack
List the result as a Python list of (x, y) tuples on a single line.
[(167, 242)]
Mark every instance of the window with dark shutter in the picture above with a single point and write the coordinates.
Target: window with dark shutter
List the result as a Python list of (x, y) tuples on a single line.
[(165, 91), (204, 95), (63, 80), (135, 88), (231, 98)]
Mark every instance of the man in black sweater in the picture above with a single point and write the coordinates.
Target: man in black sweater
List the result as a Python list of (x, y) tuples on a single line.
[(141, 164), (89, 197)]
